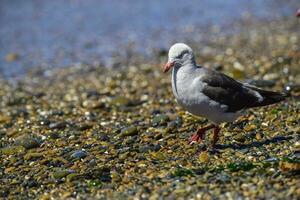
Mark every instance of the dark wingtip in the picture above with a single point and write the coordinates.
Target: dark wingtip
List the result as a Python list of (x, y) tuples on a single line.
[(273, 98)]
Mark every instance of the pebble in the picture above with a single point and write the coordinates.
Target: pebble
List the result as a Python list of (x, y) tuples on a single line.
[(160, 120), (27, 142), (120, 101), (79, 154), (204, 157), (129, 131), (57, 125), (62, 173), (11, 150)]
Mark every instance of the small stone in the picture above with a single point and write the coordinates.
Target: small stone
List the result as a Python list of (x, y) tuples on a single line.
[(103, 137), (53, 135), (292, 88), (204, 157), (12, 150), (129, 131), (62, 173), (27, 142), (79, 154), (58, 125), (72, 177), (120, 101), (33, 156), (84, 126), (258, 136), (288, 166), (160, 120), (144, 148), (250, 127), (297, 144), (240, 138), (89, 104)]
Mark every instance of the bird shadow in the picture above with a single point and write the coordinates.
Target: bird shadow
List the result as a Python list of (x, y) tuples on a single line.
[(237, 146)]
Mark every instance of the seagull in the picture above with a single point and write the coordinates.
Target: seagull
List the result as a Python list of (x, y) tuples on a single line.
[(211, 94)]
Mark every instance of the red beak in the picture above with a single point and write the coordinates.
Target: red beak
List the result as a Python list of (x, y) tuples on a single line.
[(298, 12), (168, 66)]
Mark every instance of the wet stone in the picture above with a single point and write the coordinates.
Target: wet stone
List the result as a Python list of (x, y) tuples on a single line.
[(54, 135), (89, 104), (61, 173), (72, 177), (33, 156), (160, 120), (27, 142), (175, 123), (129, 131), (20, 112), (144, 148), (44, 122), (92, 94), (56, 113), (103, 137), (57, 125), (120, 101), (84, 126), (292, 88), (2, 134), (79, 154), (289, 165), (29, 183), (240, 138), (204, 157), (11, 150)]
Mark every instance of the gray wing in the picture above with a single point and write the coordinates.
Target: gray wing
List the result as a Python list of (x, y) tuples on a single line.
[(235, 95)]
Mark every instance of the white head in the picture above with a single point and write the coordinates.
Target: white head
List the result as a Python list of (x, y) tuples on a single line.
[(179, 55)]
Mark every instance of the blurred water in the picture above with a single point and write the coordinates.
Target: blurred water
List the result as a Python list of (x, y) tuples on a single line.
[(57, 33)]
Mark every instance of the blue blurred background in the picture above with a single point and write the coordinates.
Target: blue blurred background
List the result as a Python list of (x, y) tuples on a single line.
[(57, 33)]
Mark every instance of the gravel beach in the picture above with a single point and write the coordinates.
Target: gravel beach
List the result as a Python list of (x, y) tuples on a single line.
[(93, 132)]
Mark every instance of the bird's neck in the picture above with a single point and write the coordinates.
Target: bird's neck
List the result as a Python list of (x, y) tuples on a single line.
[(182, 77)]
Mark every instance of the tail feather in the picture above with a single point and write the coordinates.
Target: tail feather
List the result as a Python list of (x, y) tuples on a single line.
[(269, 97)]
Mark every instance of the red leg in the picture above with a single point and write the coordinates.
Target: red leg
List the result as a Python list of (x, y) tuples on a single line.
[(200, 134), (216, 135)]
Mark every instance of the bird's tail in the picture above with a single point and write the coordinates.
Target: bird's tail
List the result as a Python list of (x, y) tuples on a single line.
[(269, 97)]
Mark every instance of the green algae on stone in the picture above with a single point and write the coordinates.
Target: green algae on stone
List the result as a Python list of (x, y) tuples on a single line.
[(159, 120), (180, 171), (73, 177), (33, 156), (120, 101), (61, 173), (240, 166), (129, 131), (11, 150)]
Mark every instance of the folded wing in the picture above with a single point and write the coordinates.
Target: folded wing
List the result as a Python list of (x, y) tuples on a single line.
[(235, 95)]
